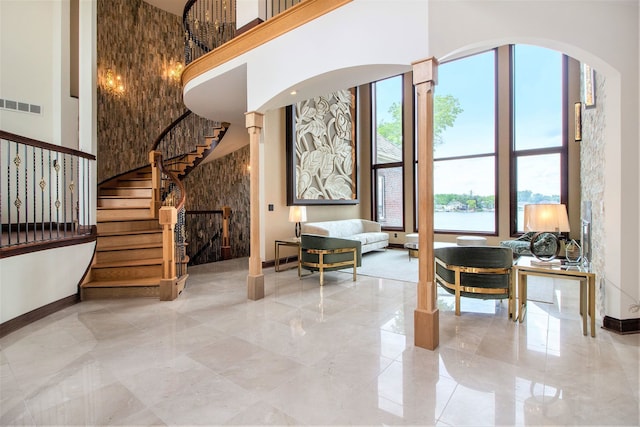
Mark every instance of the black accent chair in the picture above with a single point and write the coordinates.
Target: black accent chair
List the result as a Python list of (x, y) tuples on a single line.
[(476, 272), (324, 253)]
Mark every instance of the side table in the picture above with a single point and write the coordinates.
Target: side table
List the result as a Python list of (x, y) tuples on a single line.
[(293, 242), (587, 279)]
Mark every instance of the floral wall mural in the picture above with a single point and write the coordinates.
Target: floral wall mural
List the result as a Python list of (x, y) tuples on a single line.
[(321, 150)]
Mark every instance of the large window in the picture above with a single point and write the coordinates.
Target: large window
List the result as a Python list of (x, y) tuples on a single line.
[(539, 119), (465, 145), (387, 152)]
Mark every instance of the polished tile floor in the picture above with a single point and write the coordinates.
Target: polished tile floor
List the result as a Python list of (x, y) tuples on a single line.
[(305, 355)]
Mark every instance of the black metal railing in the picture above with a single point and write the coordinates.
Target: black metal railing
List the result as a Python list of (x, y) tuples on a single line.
[(183, 145), (45, 193), (205, 229), (187, 141), (274, 7), (208, 24)]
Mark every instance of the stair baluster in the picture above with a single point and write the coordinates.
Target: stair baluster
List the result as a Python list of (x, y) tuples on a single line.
[(138, 210)]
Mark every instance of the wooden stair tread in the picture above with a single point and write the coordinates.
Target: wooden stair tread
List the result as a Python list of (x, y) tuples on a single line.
[(123, 219), (129, 263), (129, 233), (113, 208), (146, 187), (145, 281), (130, 247), (124, 197)]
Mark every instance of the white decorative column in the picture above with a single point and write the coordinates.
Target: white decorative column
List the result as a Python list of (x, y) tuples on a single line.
[(255, 279), (426, 316)]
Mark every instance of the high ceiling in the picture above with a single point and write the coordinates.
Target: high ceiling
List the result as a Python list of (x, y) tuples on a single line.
[(174, 6)]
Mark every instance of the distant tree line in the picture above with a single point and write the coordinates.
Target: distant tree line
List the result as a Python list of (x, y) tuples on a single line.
[(529, 197), (465, 202), (475, 203)]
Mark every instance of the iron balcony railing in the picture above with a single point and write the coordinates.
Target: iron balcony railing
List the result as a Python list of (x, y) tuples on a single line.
[(208, 24), (45, 191)]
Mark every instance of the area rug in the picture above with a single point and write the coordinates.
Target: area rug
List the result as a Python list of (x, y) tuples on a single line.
[(392, 264), (395, 264)]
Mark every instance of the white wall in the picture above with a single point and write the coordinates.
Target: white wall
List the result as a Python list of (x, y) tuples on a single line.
[(248, 10), (35, 69), (34, 48), (33, 280)]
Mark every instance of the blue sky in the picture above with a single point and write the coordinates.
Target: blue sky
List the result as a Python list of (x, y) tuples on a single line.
[(538, 121), (538, 110)]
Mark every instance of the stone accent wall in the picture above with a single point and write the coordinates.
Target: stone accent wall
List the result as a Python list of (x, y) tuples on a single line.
[(592, 172), (221, 182), (137, 41)]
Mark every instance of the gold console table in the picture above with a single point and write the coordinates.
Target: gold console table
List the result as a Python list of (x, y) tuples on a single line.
[(587, 279), (293, 242)]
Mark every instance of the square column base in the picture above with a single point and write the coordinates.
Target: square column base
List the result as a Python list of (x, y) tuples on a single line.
[(168, 290), (255, 287), (426, 326)]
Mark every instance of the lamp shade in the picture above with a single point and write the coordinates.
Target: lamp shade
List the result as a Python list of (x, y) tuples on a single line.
[(546, 217), (297, 213)]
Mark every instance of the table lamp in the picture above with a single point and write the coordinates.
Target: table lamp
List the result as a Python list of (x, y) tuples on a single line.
[(297, 214), (549, 219)]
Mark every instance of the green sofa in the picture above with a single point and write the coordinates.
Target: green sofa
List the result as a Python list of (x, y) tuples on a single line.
[(324, 253)]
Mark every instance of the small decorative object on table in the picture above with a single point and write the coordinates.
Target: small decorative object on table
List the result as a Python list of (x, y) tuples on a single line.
[(573, 252)]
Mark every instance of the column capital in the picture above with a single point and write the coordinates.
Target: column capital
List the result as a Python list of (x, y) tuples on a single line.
[(253, 119), (425, 70)]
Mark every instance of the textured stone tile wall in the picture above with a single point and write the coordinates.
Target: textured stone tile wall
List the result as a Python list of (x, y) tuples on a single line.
[(222, 182), (137, 41), (592, 171)]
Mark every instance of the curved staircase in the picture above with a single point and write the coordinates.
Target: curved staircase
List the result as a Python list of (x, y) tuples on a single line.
[(129, 250)]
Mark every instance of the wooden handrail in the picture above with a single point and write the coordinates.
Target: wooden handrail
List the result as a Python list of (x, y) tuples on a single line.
[(174, 178), (205, 212), (168, 129), (280, 24), (27, 248), (47, 198), (44, 145), (221, 235)]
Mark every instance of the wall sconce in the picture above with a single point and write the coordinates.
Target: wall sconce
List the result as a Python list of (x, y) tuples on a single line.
[(578, 121), (113, 83), (173, 71)]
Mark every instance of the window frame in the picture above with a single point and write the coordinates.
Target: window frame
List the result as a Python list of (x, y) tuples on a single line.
[(562, 150), (495, 155), (375, 166)]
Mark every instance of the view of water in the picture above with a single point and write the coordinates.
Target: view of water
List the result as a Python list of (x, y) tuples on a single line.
[(468, 221)]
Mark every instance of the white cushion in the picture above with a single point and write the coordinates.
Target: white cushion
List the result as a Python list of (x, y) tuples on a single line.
[(471, 241), (412, 238)]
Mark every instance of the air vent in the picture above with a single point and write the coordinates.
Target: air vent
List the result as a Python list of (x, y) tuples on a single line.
[(7, 104)]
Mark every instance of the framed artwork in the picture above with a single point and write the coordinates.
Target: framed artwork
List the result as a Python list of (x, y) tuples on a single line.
[(589, 86), (321, 150)]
